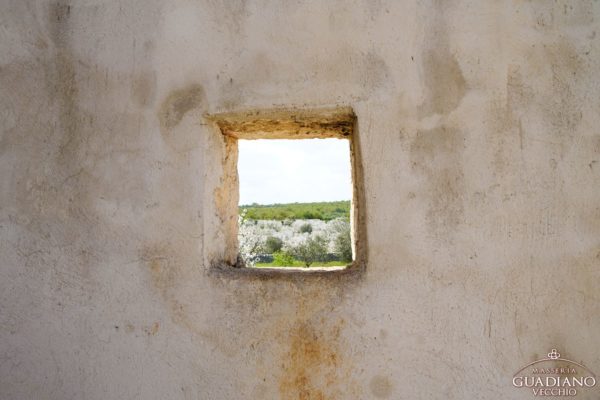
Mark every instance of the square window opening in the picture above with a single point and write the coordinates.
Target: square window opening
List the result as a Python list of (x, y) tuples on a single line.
[(291, 196)]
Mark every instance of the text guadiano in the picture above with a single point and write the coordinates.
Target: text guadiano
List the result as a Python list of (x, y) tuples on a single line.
[(554, 380)]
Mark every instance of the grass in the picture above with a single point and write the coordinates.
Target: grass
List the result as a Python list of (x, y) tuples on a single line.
[(300, 264), (324, 211)]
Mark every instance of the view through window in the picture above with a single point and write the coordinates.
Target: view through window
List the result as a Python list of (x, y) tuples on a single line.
[(295, 203)]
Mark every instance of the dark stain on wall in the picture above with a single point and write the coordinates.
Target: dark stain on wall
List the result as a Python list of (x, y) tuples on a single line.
[(62, 82), (179, 103), (564, 107), (444, 83), (442, 79)]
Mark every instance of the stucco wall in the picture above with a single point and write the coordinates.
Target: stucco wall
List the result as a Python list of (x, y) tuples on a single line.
[(478, 125)]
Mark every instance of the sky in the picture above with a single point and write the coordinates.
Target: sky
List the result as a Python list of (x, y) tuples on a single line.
[(287, 171)]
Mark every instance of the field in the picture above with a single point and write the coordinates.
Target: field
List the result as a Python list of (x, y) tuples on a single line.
[(295, 235), (325, 211)]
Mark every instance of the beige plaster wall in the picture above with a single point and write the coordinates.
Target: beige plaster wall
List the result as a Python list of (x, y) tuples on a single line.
[(478, 125)]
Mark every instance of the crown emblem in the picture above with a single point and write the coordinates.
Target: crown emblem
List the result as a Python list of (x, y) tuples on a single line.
[(553, 355)]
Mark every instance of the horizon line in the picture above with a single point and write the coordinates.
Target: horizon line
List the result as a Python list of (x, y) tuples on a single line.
[(296, 202)]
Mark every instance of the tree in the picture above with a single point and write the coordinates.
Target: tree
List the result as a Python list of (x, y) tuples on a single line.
[(248, 242), (343, 245), (311, 250), (306, 228), (273, 244)]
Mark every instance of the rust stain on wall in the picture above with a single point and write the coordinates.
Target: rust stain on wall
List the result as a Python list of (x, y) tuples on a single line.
[(152, 330), (311, 367)]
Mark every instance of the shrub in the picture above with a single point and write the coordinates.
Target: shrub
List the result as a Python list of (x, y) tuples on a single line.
[(343, 245), (312, 215), (273, 244), (311, 250), (306, 228), (283, 259)]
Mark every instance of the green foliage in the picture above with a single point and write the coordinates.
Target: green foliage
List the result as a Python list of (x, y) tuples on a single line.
[(306, 228), (297, 263), (311, 250), (283, 259), (343, 244), (324, 210), (273, 244), (312, 215)]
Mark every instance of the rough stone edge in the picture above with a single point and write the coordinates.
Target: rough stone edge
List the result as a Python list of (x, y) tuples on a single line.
[(221, 269), (287, 123)]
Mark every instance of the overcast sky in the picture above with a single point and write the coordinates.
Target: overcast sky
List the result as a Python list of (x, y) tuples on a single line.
[(287, 171)]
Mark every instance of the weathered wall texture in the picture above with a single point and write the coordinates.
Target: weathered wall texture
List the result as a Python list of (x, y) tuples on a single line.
[(478, 124)]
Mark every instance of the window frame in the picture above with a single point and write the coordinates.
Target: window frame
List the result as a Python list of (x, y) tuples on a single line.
[(293, 124)]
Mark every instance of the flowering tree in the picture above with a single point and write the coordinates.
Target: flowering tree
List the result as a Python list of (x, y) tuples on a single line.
[(249, 242)]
